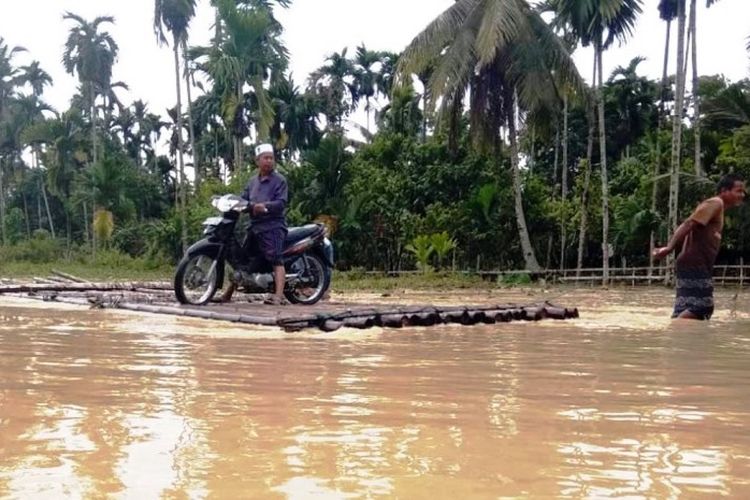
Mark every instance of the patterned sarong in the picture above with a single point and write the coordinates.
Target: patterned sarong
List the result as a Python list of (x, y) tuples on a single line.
[(695, 293)]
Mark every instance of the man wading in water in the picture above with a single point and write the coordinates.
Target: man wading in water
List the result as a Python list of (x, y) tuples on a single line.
[(701, 238)]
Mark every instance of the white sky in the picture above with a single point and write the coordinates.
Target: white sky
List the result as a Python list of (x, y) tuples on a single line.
[(315, 28)]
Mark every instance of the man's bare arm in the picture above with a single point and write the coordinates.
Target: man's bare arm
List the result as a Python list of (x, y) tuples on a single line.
[(677, 238)]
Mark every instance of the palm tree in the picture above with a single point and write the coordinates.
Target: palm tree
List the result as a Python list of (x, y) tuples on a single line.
[(250, 53), (10, 79), (730, 107), (508, 60), (175, 16), (295, 118), (600, 23), (366, 76), (334, 85), (36, 77), (90, 54), (632, 99), (63, 137)]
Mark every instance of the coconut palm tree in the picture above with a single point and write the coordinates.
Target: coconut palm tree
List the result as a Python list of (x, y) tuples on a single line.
[(90, 54), (506, 57), (600, 23)]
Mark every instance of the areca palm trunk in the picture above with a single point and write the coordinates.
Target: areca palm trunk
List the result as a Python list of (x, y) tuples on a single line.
[(191, 129), (528, 251), (564, 182), (585, 191), (238, 140), (657, 160), (2, 205), (180, 186), (696, 85), (46, 206), (94, 154), (603, 160), (674, 184), (35, 164)]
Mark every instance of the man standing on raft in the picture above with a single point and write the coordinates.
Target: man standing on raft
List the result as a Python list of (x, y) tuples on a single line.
[(700, 236)]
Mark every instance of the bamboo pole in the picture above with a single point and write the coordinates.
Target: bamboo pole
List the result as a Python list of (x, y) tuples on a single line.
[(64, 287), (69, 277)]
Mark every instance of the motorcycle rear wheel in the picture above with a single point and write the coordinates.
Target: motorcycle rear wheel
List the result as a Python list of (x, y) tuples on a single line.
[(314, 280), (197, 279)]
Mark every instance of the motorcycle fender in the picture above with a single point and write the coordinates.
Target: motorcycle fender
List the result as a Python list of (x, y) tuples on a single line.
[(326, 252), (213, 250), (205, 246)]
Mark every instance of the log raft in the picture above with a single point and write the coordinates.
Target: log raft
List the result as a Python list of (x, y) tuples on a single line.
[(327, 316)]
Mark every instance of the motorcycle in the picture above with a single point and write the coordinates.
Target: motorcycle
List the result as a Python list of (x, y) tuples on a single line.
[(307, 258)]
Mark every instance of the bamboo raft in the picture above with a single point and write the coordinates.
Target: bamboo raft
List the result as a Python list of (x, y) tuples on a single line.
[(328, 316)]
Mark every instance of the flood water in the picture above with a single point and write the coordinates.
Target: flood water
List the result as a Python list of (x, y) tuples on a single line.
[(621, 402)]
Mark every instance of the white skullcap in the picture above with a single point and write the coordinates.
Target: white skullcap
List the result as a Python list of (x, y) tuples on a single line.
[(263, 148)]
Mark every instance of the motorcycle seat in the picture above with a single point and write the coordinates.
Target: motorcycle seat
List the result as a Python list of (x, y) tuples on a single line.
[(296, 234)]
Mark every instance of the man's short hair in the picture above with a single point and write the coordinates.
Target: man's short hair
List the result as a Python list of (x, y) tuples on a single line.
[(727, 182)]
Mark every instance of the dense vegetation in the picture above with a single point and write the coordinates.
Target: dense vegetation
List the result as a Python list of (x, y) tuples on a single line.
[(482, 147)]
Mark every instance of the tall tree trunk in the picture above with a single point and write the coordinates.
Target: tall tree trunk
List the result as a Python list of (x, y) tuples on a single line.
[(86, 222), (603, 160), (556, 159), (180, 188), (68, 229), (39, 216), (46, 206), (26, 216), (532, 152), (696, 87), (674, 184), (586, 180), (528, 251), (2, 205), (191, 128), (238, 141), (657, 160), (92, 97), (564, 183)]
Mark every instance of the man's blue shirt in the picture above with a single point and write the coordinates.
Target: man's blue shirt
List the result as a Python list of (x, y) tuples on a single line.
[(273, 193)]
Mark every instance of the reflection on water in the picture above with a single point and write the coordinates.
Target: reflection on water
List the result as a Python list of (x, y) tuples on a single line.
[(622, 402)]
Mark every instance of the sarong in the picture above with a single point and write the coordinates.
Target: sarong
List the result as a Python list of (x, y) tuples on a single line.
[(695, 293)]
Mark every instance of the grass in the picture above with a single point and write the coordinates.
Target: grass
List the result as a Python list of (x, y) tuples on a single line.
[(117, 267), (88, 271)]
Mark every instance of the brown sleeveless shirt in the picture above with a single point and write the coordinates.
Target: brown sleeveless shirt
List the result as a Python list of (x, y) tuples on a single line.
[(701, 245)]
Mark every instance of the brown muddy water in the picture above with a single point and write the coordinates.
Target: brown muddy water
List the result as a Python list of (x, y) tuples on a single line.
[(621, 402)]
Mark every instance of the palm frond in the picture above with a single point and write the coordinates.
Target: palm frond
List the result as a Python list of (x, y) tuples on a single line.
[(435, 37)]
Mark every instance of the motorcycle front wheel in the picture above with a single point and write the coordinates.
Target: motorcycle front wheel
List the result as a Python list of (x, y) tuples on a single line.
[(312, 282), (197, 279)]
